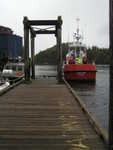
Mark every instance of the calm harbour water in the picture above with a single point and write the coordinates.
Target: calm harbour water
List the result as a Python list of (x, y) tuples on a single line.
[(95, 96), (45, 70)]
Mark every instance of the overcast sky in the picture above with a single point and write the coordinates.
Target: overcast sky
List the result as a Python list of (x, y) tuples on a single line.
[(93, 14)]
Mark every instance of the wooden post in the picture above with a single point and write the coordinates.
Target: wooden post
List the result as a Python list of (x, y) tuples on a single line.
[(32, 56), (59, 49), (111, 76), (26, 49)]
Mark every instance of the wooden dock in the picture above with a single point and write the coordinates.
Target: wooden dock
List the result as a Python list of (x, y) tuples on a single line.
[(44, 115)]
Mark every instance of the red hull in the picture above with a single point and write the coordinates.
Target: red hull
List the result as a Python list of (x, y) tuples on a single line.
[(80, 72)]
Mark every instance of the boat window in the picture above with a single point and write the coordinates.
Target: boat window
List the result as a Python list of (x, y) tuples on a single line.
[(19, 68), (72, 48)]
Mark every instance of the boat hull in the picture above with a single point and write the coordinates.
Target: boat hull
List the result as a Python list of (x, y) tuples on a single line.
[(84, 72)]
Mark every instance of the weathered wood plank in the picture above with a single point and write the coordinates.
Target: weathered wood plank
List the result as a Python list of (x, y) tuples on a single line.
[(44, 115)]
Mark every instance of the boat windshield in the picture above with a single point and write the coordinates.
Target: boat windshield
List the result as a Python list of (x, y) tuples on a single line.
[(19, 68), (14, 67)]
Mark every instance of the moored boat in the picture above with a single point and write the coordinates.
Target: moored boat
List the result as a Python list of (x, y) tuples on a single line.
[(4, 85), (76, 65), (13, 70), (86, 72)]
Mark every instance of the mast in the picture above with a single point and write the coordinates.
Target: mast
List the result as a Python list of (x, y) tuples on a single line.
[(77, 35)]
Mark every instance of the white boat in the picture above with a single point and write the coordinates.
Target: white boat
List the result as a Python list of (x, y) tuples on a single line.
[(13, 70), (4, 85)]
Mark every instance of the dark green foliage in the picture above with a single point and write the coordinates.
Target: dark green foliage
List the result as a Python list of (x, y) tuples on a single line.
[(49, 56), (98, 55), (95, 54)]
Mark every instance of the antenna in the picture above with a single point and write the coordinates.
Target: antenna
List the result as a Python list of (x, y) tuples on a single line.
[(68, 42), (68, 38), (77, 19), (82, 37)]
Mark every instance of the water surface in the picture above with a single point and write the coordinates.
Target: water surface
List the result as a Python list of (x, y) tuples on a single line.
[(95, 96)]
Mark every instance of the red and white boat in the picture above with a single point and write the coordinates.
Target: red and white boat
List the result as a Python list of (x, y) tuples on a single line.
[(76, 66)]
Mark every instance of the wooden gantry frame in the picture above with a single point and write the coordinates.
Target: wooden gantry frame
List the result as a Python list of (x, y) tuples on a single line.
[(29, 30)]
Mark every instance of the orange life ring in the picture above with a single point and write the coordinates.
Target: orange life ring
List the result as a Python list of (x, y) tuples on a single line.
[(19, 73)]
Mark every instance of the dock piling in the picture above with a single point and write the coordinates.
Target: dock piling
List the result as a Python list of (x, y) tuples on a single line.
[(59, 49), (111, 75), (32, 56), (26, 49)]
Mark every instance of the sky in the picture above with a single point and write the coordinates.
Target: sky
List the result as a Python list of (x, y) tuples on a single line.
[(93, 15)]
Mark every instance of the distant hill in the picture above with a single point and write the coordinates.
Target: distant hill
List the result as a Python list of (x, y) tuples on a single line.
[(49, 56), (95, 54)]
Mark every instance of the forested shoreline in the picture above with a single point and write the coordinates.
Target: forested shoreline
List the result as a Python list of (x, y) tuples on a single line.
[(95, 54)]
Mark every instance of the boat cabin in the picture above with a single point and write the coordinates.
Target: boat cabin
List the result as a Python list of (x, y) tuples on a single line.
[(13, 70), (76, 54)]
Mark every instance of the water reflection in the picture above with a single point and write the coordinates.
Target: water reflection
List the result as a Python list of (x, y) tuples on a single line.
[(45, 70)]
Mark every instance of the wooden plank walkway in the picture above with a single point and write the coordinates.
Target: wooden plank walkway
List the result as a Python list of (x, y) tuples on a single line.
[(44, 115)]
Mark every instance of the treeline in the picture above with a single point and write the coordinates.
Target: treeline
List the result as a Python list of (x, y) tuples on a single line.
[(98, 55), (95, 54)]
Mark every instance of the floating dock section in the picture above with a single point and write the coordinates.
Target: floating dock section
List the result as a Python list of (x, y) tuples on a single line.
[(44, 115)]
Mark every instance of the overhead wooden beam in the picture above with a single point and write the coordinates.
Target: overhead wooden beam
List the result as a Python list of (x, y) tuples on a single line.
[(42, 22), (45, 32)]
